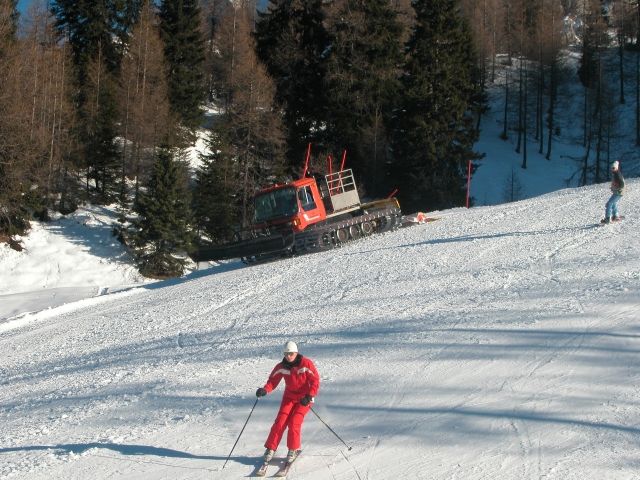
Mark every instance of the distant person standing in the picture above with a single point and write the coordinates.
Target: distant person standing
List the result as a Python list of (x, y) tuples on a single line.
[(301, 386), (617, 189)]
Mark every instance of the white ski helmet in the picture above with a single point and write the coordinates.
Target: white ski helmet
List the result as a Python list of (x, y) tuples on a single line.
[(290, 347), (615, 165)]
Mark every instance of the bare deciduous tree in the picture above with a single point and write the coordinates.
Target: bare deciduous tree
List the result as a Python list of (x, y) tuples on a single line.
[(143, 106), (36, 117), (253, 125)]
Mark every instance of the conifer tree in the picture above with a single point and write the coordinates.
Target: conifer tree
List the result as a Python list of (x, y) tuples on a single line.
[(435, 130), (215, 204), (362, 82), (143, 99), (595, 39), (97, 32), (184, 54), (93, 28), (100, 132), (245, 141), (163, 229), (293, 43), (250, 123)]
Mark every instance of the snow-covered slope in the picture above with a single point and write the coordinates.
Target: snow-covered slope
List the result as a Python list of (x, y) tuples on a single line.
[(65, 260), (498, 342)]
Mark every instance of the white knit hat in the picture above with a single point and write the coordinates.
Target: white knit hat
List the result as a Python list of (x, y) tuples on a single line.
[(290, 347), (615, 165)]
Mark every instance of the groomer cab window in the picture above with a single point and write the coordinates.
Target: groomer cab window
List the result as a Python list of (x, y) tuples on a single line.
[(306, 199)]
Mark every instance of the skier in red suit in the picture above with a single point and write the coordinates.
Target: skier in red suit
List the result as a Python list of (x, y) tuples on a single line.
[(302, 383)]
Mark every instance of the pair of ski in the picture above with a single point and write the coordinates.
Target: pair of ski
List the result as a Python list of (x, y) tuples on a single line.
[(282, 472)]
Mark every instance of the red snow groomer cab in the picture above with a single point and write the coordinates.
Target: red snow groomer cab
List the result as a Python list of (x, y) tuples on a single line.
[(309, 214)]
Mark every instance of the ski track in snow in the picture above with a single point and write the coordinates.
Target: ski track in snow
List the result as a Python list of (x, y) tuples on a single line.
[(498, 342)]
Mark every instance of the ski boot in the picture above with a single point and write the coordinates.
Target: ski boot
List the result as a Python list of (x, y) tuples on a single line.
[(292, 455), (268, 455)]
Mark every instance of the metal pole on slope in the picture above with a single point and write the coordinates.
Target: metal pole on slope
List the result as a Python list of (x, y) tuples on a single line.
[(331, 429), (243, 427), (344, 159), (306, 161)]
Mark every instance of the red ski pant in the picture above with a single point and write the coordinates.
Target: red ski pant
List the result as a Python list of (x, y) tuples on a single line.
[(290, 416)]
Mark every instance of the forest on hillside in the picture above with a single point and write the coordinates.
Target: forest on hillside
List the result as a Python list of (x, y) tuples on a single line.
[(100, 103)]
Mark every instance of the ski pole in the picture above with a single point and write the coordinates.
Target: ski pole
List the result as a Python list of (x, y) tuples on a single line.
[(245, 424), (331, 429)]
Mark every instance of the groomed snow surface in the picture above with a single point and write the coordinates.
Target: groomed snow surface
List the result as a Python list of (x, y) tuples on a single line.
[(498, 342)]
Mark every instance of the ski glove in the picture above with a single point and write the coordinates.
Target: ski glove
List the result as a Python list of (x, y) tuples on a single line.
[(261, 392), (306, 400)]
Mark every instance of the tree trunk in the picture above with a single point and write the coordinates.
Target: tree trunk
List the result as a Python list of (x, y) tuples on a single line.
[(621, 63), (585, 116), (520, 95), (504, 135), (62, 175), (53, 133), (524, 121), (609, 125), (599, 113), (123, 187), (493, 47), (552, 104), (540, 112), (621, 41), (376, 126), (35, 90), (585, 163)]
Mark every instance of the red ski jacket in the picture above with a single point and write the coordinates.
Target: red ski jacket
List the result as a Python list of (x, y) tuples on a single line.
[(301, 378)]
